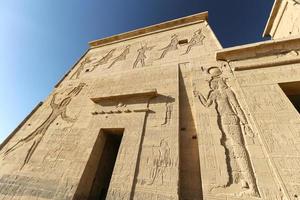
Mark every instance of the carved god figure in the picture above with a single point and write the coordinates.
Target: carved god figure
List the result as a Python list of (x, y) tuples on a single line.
[(232, 123), (161, 161)]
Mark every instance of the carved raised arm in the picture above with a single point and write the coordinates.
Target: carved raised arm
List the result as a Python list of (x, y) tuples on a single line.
[(205, 102)]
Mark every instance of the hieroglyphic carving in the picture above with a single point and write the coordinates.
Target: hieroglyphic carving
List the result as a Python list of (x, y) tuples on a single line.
[(16, 185), (58, 109), (173, 45), (141, 56), (104, 60), (85, 61), (295, 18), (120, 57), (196, 40), (232, 124), (161, 159), (168, 112)]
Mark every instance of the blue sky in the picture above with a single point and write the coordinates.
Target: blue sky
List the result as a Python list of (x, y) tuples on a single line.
[(41, 40)]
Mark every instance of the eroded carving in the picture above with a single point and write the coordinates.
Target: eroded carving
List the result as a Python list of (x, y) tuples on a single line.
[(58, 109), (141, 56), (161, 159), (196, 40), (172, 46), (82, 64), (121, 57), (232, 124)]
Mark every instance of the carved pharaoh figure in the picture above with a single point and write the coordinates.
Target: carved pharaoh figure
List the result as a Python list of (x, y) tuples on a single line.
[(141, 56), (173, 45), (121, 57), (58, 109), (85, 61), (196, 40), (161, 161), (233, 124)]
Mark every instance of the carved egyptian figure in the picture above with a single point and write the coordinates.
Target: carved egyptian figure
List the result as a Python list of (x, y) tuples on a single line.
[(232, 122), (161, 161), (81, 67), (141, 56), (58, 109), (168, 113), (103, 60), (121, 57), (196, 40), (173, 45)]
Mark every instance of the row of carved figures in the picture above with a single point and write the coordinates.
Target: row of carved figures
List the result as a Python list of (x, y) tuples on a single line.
[(196, 40)]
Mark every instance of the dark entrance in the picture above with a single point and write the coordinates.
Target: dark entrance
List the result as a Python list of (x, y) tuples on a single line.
[(106, 165), (292, 91)]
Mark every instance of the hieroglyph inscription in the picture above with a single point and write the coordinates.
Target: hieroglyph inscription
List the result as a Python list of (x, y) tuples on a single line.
[(232, 124), (141, 56), (196, 40), (172, 46), (58, 109), (120, 57)]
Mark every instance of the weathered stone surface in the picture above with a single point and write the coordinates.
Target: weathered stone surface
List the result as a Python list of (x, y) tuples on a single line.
[(171, 115)]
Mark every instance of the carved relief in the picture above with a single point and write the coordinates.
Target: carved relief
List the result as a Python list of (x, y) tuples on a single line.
[(168, 112), (172, 46), (161, 159), (141, 56), (232, 124), (121, 57), (104, 60), (295, 18), (58, 109), (85, 61), (196, 40)]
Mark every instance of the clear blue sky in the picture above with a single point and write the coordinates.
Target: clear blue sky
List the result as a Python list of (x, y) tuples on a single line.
[(41, 40)]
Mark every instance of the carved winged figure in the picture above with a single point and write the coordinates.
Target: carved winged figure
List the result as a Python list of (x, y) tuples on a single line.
[(58, 109)]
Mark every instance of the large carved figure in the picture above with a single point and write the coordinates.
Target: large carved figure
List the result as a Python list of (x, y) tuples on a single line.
[(196, 40), (121, 57), (77, 73), (173, 45), (141, 56), (233, 124), (58, 109)]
